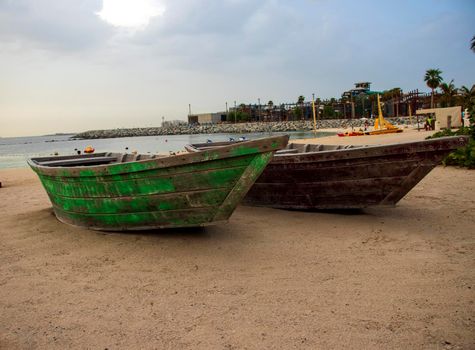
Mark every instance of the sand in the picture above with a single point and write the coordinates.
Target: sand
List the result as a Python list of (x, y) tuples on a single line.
[(408, 135), (383, 278)]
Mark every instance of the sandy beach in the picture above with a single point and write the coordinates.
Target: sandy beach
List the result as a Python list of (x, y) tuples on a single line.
[(380, 278), (409, 134)]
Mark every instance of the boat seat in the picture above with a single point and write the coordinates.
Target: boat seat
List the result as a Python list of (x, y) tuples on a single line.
[(287, 151), (79, 161)]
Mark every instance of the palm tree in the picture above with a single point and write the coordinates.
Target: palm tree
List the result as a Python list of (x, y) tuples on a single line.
[(472, 46), (300, 101), (433, 80), (270, 106), (467, 95), (449, 91)]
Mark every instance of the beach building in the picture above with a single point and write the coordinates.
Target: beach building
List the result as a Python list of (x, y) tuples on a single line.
[(445, 118), (207, 118), (360, 88)]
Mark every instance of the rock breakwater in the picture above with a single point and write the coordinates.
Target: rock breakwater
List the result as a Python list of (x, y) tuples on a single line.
[(240, 128)]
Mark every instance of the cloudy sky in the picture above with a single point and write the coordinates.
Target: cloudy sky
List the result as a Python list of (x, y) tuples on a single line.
[(74, 65)]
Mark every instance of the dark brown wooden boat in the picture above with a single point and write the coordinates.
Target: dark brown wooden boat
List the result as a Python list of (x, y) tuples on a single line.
[(306, 176)]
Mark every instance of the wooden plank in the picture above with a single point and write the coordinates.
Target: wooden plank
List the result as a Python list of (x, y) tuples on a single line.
[(245, 182), (171, 201), (308, 202), (292, 176), (220, 178), (169, 171), (337, 194), (413, 179), (329, 188), (78, 161), (442, 145), (144, 220)]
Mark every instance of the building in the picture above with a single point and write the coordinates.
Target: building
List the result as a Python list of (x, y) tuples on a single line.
[(360, 88), (207, 118), (445, 118)]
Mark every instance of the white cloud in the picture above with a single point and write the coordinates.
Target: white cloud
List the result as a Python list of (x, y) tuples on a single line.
[(130, 13)]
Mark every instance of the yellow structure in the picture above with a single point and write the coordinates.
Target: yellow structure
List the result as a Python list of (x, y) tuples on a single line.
[(381, 125)]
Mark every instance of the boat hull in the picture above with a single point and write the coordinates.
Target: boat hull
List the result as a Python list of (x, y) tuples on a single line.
[(351, 178), (345, 177), (179, 191)]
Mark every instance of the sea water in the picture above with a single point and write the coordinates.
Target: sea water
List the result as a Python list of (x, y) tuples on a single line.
[(15, 150)]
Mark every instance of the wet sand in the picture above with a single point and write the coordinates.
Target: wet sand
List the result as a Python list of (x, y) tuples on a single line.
[(383, 278)]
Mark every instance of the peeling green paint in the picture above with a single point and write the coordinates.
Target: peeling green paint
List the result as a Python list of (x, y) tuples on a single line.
[(146, 194)]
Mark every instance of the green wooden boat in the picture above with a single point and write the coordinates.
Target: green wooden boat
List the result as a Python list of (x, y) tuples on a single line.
[(119, 192)]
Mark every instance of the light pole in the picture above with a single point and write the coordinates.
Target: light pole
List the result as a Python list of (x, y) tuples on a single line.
[(259, 109), (235, 112), (314, 115)]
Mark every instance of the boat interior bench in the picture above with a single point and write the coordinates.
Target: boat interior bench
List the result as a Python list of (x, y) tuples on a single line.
[(93, 159), (79, 161), (308, 147)]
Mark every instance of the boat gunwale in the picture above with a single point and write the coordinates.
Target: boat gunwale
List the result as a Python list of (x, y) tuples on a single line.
[(365, 151), (262, 145)]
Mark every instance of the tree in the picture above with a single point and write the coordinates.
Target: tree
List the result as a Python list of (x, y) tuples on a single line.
[(300, 101), (449, 92), (468, 96), (433, 80), (270, 106), (472, 46), (239, 116)]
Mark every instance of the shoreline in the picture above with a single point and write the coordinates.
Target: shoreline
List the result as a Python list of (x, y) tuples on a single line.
[(408, 135)]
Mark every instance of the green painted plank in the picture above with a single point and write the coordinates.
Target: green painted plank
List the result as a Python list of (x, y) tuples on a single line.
[(174, 170), (152, 203), (147, 186), (252, 172), (158, 219)]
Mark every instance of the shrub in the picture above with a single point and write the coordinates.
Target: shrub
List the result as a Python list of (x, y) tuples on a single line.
[(464, 156)]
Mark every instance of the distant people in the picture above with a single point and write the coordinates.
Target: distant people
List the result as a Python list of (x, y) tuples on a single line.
[(431, 123), (366, 125)]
